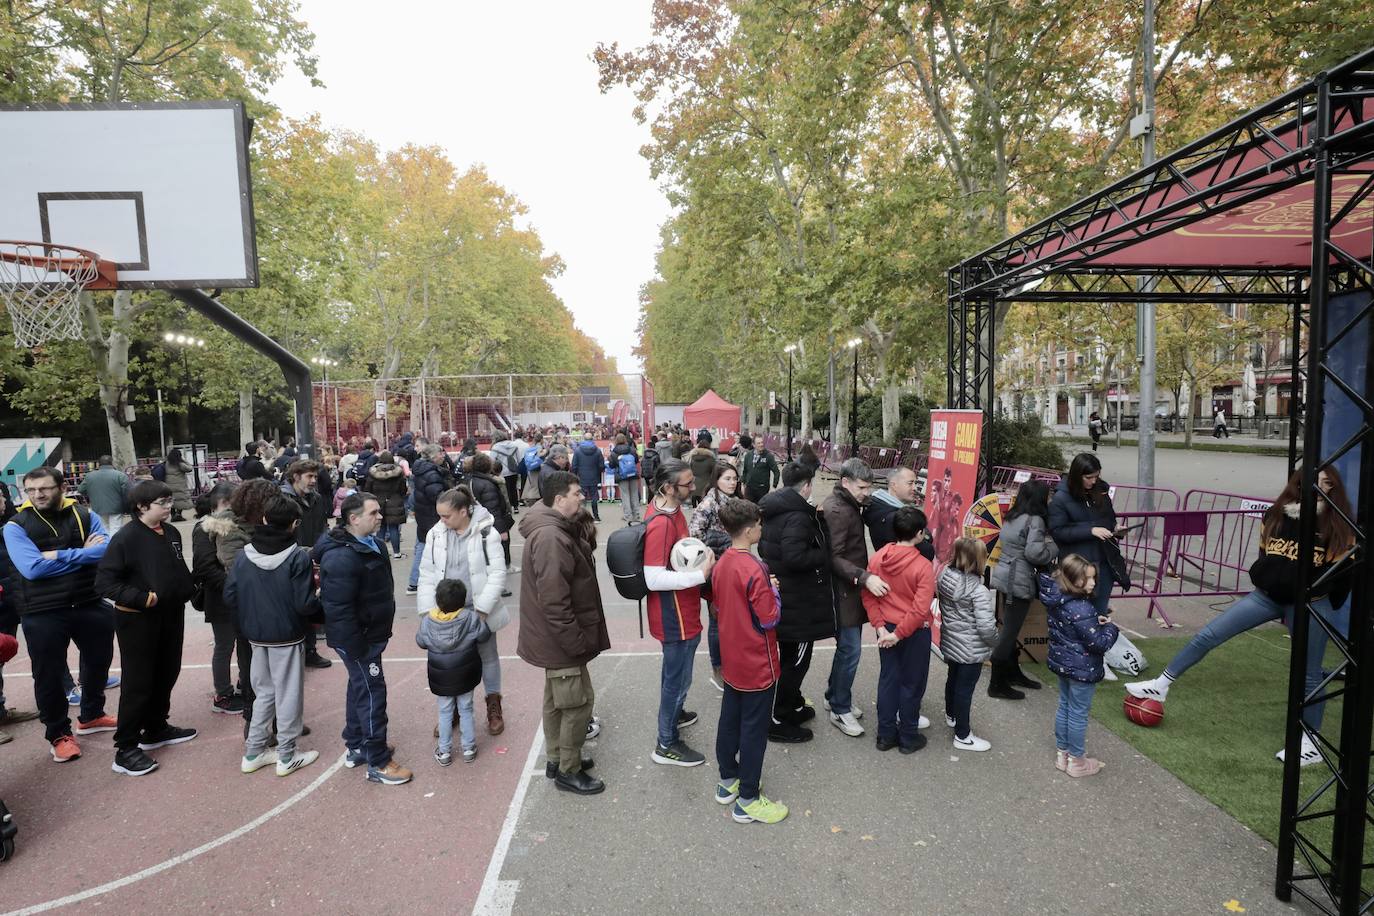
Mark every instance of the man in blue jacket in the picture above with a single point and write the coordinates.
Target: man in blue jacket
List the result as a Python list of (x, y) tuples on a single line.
[(589, 465), (359, 607), (54, 546)]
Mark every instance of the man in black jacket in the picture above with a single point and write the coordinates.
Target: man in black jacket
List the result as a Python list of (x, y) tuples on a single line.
[(144, 579), (359, 609), (250, 465), (300, 487), (796, 547), (430, 477)]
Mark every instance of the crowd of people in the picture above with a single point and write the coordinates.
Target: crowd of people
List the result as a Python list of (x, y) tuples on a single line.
[(272, 574)]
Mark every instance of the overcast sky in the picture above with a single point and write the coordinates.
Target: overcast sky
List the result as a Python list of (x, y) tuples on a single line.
[(511, 86)]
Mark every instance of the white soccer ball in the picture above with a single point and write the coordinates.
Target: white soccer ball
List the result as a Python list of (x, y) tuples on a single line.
[(689, 553)]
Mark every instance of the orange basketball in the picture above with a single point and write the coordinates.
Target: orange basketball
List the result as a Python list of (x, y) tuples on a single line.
[(1146, 712)]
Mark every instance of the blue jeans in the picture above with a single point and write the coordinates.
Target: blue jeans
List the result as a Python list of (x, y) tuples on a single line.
[(902, 673), (491, 665), (1246, 614), (713, 638), (465, 728), (742, 737), (848, 642), (392, 534), (365, 707), (414, 580), (960, 683), (1071, 719), (675, 682)]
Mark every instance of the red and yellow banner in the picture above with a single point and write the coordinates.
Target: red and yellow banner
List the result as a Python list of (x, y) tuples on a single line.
[(956, 438)]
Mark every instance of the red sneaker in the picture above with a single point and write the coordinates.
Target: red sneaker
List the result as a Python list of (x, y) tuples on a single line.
[(65, 748), (99, 724)]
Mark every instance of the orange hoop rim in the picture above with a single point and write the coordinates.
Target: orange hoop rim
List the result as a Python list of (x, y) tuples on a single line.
[(106, 272)]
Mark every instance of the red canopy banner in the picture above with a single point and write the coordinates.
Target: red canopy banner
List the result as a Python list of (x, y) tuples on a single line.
[(713, 412)]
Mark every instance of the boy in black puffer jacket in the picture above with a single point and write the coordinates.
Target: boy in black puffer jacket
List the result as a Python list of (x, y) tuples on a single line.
[(269, 588), (451, 632)]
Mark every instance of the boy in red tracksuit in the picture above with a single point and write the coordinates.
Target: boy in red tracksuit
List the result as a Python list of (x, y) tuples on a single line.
[(902, 619), (747, 609)]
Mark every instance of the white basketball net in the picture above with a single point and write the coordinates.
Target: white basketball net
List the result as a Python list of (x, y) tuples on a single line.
[(41, 287)]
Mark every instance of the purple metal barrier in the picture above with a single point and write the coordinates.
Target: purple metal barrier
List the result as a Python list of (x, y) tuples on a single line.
[(1187, 554), (1127, 497), (1217, 499)]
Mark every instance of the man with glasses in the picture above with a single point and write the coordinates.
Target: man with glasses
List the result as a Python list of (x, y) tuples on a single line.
[(54, 546), (674, 602)]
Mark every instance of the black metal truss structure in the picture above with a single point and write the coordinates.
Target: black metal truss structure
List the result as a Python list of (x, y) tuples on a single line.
[(1315, 133)]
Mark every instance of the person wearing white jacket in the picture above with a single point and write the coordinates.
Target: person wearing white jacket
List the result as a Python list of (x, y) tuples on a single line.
[(466, 546)]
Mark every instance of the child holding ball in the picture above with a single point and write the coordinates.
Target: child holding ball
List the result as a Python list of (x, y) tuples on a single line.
[(1079, 637)]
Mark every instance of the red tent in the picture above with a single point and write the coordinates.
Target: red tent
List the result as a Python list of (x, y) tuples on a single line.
[(713, 412)]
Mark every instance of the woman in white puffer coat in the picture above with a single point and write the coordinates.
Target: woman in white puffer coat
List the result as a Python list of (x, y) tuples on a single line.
[(968, 633), (466, 546)]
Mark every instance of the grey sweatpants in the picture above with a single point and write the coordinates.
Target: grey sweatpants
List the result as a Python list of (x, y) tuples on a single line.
[(278, 678)]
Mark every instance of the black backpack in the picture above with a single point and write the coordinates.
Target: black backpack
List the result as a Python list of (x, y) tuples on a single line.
[(160, 471), (625, 558), (648, 465)]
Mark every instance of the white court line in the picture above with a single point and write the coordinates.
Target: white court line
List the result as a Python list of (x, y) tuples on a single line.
[(497, 897), (185, 856)]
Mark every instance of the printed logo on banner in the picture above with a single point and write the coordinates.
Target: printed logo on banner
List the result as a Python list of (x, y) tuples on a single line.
[(1021, 476), (1255, 507)]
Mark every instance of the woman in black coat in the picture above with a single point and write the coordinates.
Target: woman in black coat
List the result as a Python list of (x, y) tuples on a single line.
[(488, 490), (210, 577), (386, 481), (1082, 518)]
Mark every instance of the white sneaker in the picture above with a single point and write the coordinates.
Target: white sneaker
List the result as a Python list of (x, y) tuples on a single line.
[(922, 722), (1156, 688), (854, 709), (1307, 755), (298, 760), (846, 723), (1107, 673), (971, 743), (593, 728), (949, 720), (265, 759)]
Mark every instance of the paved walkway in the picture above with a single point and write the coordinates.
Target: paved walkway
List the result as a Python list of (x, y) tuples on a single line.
[(938, 831)]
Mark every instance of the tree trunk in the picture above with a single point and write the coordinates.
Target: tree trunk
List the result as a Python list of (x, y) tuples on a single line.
[(748, 417), (111, 357), (892, 414), (830, 385), (803, 430), (246, 415)]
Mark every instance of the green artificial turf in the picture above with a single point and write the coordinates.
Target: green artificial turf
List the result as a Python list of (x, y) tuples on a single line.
[(1223, 722)]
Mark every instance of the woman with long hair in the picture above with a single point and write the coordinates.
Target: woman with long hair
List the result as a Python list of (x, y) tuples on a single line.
[(705, 524), (1082, 517), (1026, 550), (1275, 575)]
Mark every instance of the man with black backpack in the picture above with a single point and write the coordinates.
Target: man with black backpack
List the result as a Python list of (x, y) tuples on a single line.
[(625, 463)]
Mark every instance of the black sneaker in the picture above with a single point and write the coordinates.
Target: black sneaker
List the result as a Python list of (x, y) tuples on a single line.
[(885, 744), (686, 718), (230, 705), (916, 744), (788, 733), (551, 767), (679, 755), (316, 660), (169, 734), (796, 716), (133, 762)]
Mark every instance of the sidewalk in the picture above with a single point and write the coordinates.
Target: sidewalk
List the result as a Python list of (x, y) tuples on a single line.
[(1240, 442)]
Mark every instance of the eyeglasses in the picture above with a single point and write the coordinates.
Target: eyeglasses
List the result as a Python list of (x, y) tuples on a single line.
[(165, 502), (35, 491)]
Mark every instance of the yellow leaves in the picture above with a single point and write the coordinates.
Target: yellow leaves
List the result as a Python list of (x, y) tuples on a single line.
[(1233, 906)]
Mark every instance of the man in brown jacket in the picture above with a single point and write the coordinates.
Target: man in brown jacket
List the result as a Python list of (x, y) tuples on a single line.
[(562, 625), (849, 563)]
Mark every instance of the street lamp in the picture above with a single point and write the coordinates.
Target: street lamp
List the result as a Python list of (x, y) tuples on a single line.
[(184, 342), (325, 362), (789, 350), (853, 344)]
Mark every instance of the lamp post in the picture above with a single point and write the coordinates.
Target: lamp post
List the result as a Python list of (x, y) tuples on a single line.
[(853, 344), (184, 342), (789, 350), (325, 362)]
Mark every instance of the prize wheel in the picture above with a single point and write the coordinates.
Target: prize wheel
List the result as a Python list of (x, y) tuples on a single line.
[(984, 521)]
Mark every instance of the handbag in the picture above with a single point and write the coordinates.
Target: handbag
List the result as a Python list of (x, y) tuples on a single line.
[(1111, 554)]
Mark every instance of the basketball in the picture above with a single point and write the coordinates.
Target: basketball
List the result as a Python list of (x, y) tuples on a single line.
[(689, 553), (1146, 712)]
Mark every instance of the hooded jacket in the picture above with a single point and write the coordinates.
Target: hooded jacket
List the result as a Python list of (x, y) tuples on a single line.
[(387, 482), (1275, 571), (269, 588), (849, 554), (968, 625), (562, 624), (1072, 522), (230, 534), (356, 590), (910, 587), (1077, 640), (250, 467), (207, 571), (451, 641), (1026, 548), (314, 514), (491, 494), (431, 480), (588, 464), (141, 562), (508, 452), (486, 563), (796, 547)]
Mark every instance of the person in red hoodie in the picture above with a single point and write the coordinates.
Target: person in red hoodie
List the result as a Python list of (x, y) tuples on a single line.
[(902, 619), (748, 609)]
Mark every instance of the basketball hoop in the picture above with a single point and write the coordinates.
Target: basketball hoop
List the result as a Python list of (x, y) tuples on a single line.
[(41, 285)]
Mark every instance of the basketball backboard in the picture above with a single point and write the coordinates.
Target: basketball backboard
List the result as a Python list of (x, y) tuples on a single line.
[(160, 189)]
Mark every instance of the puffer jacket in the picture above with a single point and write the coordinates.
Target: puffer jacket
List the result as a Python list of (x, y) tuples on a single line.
[(230, 534), (1077, 640), (486, 563), (1026, 548), (270, 587), (968, 625), (357, 591), (207, 571), (1072, 522), (614, 462), (387, 482), (453, 665), (796, 547), (849, 555), (491, 494), (589, 464), (562, 623), (431, 480)]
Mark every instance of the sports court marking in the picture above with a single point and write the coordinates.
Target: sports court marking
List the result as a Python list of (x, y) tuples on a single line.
[(497, 897), (184, 857)]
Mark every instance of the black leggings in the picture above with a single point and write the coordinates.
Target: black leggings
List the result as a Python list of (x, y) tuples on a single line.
[(1013, 618)]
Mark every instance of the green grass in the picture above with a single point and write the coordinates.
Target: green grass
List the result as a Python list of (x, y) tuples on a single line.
[(1279, 451), (1223, 722)]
